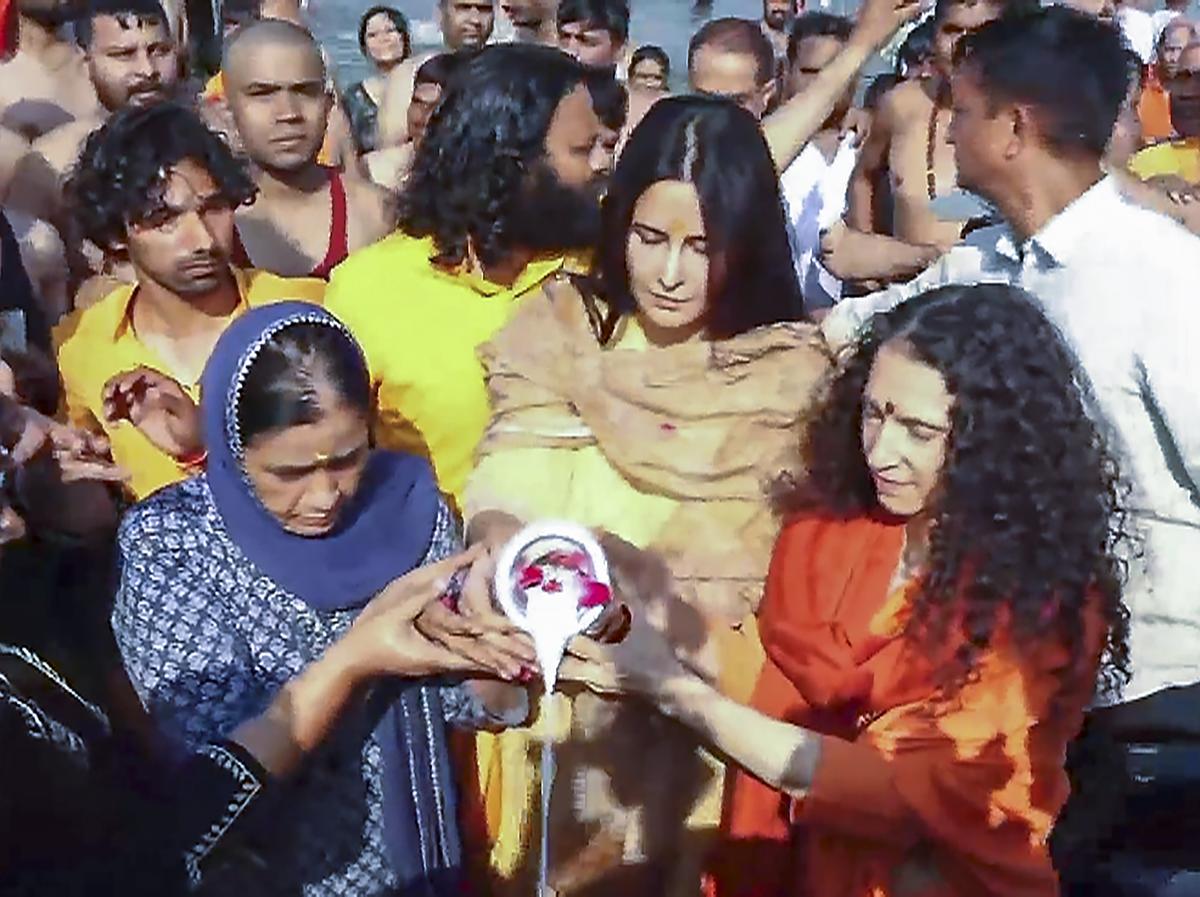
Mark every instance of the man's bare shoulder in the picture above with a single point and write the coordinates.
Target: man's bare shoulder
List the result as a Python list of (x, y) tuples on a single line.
[(62, 146), (905, 99), (13, 148), (372, 207)]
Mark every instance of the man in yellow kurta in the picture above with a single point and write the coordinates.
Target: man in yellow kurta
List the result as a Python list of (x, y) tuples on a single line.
[(503, 194), (1178, 158), (157, 185)]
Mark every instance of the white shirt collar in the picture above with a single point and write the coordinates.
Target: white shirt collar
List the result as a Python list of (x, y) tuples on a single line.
[(1067, 230)]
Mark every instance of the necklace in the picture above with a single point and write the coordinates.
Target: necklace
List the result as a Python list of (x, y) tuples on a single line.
[(931, 143)]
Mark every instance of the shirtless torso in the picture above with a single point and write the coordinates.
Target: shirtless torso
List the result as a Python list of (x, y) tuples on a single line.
[(39, 93), (297, 233), (908, 141)]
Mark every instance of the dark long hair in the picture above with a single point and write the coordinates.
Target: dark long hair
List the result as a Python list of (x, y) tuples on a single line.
[(718, 148), (488, 130), (1028, 525)]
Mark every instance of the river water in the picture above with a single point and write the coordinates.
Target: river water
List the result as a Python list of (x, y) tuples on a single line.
[(668, 23)]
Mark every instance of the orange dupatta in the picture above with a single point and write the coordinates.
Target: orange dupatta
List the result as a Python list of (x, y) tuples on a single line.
[(969, 791)]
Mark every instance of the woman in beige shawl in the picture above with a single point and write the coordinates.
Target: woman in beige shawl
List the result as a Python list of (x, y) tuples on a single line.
[(655, 408)]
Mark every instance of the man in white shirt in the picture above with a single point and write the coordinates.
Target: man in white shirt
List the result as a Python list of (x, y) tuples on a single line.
[(1035, 101)]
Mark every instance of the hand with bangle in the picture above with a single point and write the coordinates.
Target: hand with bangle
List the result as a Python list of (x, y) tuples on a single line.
[(162, 410)]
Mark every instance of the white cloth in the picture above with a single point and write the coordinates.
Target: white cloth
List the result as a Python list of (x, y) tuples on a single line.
[(814, 198), (1138, 28), (1123, 284), (1162, 19)]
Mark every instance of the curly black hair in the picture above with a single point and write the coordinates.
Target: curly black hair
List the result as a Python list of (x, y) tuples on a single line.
[(1028, 522), (487, 131), (121, 173)]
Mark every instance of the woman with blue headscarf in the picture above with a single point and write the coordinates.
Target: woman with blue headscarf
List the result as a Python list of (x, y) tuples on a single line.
[(234, 582)]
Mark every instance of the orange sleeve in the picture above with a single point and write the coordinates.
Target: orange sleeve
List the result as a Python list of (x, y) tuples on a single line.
[(981, 785)]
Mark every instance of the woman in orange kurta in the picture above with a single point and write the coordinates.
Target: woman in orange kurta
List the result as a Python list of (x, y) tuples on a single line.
[(934, 619)]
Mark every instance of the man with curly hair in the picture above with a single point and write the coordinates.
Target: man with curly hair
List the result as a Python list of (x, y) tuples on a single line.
[(157, 187), (503, 191)]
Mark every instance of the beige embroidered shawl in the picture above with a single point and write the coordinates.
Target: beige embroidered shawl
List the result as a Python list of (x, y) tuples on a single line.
[(707, 424)]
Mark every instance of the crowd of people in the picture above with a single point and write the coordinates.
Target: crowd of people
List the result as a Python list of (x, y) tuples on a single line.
[(877, 390)]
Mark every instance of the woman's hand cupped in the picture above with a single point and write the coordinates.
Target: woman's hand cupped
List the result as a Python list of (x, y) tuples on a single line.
[(476, 631), (385, 639)]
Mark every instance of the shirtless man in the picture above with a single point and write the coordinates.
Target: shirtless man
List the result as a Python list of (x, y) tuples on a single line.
[(466, 25), (909, 136), (131, 60), (306, 218), (45, 84)]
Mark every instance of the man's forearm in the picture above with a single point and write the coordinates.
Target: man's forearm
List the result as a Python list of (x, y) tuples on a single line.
[(793, 125)]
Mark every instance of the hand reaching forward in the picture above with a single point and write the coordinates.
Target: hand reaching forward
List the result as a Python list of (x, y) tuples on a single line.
[(158, 406), (80, 455), (642, 663), (477, 631), (387, 640)]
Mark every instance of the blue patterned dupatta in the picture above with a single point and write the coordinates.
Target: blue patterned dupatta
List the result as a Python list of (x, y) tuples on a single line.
[(384, 532)]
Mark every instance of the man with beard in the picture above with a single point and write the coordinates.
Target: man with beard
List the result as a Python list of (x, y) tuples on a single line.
[(532, 21), (777, 21), (306, 217), (131, 60), (159, 187), (45, 83), (502, 191), (1177, 161)]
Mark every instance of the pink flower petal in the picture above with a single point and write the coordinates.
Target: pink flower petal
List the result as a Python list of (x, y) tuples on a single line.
[(595, 594), (529, 577)]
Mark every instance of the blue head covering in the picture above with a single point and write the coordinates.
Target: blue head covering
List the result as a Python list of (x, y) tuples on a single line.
[(384, 531)]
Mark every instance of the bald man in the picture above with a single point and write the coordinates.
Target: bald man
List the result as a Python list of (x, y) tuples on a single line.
[(306, 217)]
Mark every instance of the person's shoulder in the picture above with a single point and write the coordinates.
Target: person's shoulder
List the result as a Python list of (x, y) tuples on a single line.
[(61, 147), (263, 287), (906, 97), (561, 304), (370, 201), (805, 530), (165, 520), (395, 257), (85, 328)]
